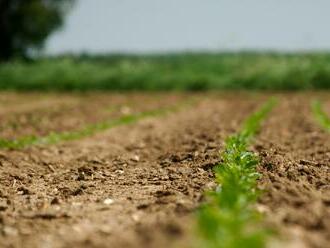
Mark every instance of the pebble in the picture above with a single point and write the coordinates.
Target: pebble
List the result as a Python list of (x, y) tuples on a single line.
[(135, 158), (108, 201)]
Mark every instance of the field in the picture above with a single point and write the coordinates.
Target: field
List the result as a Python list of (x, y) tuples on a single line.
[(175, 72), (212, 169)]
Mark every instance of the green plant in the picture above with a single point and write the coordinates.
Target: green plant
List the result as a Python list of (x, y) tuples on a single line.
[(192, 72), (320, 115), (228, 218), (53, 138), (25, 25)]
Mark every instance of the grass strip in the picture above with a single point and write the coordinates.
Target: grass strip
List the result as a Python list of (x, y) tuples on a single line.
[(89, 130), (228, 218), (320, 115)]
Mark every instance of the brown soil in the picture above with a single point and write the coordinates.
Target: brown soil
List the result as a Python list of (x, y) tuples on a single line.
[(295, 155), (59, 113), (154, 171), (139, 185)]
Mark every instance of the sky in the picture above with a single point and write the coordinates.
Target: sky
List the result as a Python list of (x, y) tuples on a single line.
[(146, 26)]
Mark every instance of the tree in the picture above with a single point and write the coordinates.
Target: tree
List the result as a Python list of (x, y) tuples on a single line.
[(25, 24)]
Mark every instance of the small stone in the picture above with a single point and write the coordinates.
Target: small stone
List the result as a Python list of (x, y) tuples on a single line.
[(24, 191), (135, 158), (136, 217), (262, 209), (119, 172), (108, 201)]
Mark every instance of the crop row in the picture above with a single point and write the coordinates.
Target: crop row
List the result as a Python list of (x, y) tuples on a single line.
[(74, 112), (228, 219), (321, 115), (88, 130)]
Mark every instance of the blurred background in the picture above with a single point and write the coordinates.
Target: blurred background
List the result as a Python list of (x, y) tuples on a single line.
[(66, 45), (190, 25)]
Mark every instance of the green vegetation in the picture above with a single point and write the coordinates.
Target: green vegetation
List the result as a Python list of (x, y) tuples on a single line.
[(170, 72), (320, 115), (228, 219), (53, 138), (25, 24)]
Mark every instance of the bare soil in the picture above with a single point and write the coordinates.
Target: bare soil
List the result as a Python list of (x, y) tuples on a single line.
[(40, 115), (295, 154), (139, 185)]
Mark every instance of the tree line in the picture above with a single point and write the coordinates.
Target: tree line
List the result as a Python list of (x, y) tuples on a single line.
[(25, 25)]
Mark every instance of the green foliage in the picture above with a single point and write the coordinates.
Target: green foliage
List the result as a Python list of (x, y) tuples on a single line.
[(25, 24), (193, 72), (320, 115), (228, 219)]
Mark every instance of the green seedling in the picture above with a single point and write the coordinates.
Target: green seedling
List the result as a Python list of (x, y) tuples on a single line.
[(320, 115), (228, 218), (89, 130)]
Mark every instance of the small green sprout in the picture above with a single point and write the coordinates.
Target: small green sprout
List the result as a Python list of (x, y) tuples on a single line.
[(320, 115)]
